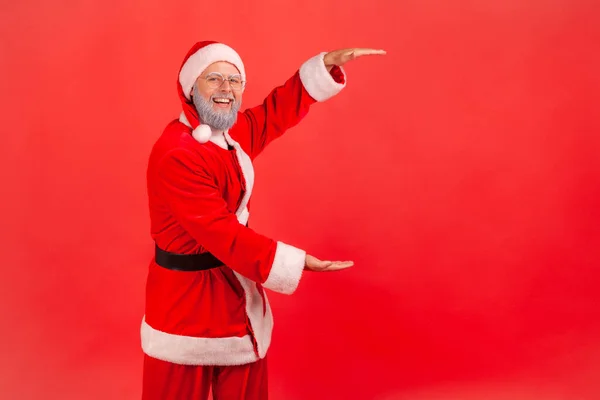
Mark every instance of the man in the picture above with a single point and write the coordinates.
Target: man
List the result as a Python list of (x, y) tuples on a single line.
[(208, 321)]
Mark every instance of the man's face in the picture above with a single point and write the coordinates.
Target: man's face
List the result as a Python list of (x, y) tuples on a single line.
[(217, 95), (220, 98)]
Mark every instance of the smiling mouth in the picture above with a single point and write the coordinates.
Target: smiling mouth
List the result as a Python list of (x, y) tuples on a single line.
[(224, 101)]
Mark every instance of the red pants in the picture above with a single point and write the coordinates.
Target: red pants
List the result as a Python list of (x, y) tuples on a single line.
[(165, 381)]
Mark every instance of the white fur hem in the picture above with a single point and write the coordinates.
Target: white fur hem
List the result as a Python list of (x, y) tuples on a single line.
[(318, 81), (286, 270), (245, 163), (187, 350), (261, 322)]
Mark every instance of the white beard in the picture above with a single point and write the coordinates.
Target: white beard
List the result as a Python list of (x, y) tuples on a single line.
[(217, 120)]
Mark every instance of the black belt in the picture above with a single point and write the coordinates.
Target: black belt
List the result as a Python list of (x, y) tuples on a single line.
[(186, 262)]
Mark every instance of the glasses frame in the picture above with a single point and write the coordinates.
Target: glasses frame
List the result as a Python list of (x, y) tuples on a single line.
[(224, 79)]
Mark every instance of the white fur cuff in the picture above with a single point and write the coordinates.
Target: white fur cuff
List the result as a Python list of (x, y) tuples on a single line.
[(318, 81), (286, 269)]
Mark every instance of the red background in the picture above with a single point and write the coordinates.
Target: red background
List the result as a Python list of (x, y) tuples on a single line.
[(460, 172)]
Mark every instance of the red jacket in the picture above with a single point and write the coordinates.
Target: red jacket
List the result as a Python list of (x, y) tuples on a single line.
[(198, 199)]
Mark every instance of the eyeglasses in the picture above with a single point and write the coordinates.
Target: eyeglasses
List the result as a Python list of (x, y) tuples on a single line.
[(216, 80)]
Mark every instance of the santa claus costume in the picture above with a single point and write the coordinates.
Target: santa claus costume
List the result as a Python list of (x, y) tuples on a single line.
[(207, 319)]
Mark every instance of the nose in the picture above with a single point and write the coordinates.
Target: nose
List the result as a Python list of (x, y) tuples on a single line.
[(226, 86)]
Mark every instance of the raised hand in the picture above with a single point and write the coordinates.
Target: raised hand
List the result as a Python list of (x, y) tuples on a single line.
[(342, 56), (314, 264)]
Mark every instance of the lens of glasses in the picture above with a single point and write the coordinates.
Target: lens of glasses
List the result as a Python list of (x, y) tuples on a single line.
[(214, 80), (236, 82)]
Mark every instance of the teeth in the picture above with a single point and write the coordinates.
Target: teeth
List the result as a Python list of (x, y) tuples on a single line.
[(221, 100)]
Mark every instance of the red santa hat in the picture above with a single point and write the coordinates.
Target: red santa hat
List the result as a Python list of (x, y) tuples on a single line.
[(200, 56)]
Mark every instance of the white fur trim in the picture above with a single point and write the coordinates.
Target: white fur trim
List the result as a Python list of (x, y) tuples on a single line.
[(318, 81), (200, 60), (248, 173), (260, 322), (286, 270), (188, 350), (243, 216), (219, 140), (183, 119)]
